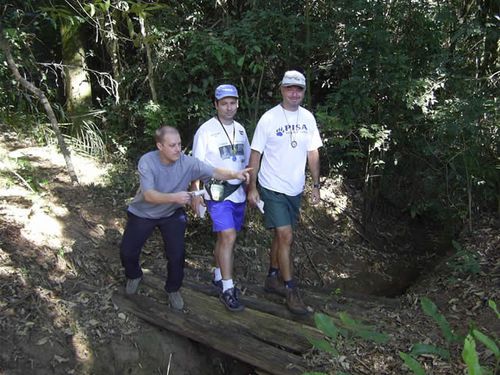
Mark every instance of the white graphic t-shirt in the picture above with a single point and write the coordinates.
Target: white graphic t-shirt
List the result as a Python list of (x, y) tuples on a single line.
[(284, 138), (223, 146)]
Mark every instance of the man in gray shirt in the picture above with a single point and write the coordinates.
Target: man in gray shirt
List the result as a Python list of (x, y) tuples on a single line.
[(165, 175)]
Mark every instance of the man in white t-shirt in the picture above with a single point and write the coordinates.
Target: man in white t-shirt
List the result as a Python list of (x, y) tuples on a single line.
[(286, 137), (222, 142)]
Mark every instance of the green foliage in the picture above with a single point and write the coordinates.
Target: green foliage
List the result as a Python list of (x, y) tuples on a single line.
[(419, 349), (404, 92), (361, 330), (463, 261), (488, 342), (155, 116), (470, 355), (15, 106), (30, 175), (325, 324), (412, 364), (346, 328), (323, 345), (394, 71), (123, 180), (243, 53), (410, 359), (431, 309), (493, 306), (469, 352)]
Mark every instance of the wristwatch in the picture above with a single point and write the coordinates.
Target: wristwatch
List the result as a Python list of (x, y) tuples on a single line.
[(316, 186)]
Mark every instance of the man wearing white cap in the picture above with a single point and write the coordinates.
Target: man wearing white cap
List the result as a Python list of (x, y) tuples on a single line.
[(285, 138), (222, 142)]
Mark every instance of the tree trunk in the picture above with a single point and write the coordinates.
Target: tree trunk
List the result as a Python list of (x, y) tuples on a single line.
[(308, 73), (4, 45), (110, 39), (151, 80), (489, 59), (76, 78)]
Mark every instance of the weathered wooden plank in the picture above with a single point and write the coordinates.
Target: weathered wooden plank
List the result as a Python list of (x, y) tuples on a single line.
[(233, 342), (273, 305), (260, 325), (321, 299)]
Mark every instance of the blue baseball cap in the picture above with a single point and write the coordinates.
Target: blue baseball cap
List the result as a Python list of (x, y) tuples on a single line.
[(224, 91)]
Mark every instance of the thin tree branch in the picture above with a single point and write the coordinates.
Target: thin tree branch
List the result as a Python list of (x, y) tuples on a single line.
[(5, 47)]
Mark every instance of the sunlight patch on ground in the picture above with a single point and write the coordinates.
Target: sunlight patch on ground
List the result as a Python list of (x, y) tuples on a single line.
[(331, 274), (196, 264), (44, 229), (334, 201), (14, 213), (39, 227), (12, 191), (7, 270), (62, 316), (88, 170)]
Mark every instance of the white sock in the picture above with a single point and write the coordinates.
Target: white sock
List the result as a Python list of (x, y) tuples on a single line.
[(217, 274), (227, 284)]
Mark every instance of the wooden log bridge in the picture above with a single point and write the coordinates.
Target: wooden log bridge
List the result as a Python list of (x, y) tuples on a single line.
[(271, 342), (265, 335)]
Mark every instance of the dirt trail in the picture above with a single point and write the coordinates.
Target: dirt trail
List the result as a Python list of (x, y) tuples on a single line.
[(59, 267)]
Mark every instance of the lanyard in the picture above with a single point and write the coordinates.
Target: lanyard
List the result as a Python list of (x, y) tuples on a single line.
[(233, 149), (293, 142)]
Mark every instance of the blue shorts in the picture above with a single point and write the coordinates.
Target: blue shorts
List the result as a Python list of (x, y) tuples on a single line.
[(280, 210), (226, 215)]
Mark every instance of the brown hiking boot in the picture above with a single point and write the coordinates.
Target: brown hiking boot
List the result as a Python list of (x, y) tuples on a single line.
[(274, 284), (294, 302)]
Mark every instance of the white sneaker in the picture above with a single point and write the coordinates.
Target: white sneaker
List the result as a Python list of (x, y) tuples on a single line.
[(132, 285), (176, 301)]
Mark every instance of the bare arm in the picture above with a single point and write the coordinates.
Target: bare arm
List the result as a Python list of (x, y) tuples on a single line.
[(184, 197), (227, 174), (254, 163), (195, 185), (155, 197), (196, 201), (199, 151), (314, 168)]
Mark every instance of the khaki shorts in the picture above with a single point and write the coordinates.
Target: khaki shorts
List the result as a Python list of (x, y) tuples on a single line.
[(280, 209)]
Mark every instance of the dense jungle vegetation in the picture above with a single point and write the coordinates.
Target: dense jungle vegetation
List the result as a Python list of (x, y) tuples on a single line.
[(406, 95), (405, 92)]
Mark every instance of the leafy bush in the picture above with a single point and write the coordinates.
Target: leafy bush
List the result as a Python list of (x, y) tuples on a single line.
[(469, 353), (346, 327)]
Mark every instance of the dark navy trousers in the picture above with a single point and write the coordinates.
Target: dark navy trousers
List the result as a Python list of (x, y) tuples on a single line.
[(139, 229)]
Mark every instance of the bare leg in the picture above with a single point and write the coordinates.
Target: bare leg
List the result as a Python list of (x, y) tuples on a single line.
[(224, 252), (280, 248), (273, 255)]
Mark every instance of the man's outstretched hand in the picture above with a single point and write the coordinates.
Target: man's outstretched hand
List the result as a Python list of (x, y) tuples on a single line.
[(244, 175)]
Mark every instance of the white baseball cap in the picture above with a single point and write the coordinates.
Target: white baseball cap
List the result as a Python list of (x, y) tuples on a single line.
[(293, 78)]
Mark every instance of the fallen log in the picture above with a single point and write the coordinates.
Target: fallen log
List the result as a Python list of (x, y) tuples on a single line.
[(271, 329), (227, 338)]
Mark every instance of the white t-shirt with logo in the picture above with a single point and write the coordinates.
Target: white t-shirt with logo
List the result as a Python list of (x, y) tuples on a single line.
[(282, 166), (228, 149)]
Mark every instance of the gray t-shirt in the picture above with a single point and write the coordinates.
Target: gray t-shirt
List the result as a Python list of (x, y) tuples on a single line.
[(165, 178)]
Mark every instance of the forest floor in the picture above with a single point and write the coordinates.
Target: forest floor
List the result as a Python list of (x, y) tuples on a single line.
[(59, 267)]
